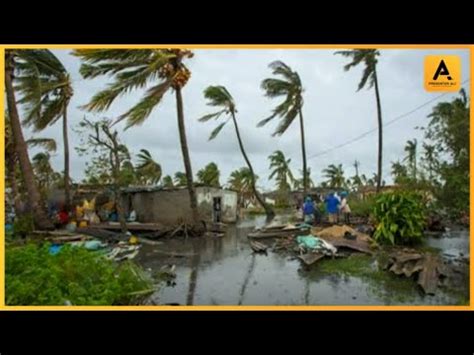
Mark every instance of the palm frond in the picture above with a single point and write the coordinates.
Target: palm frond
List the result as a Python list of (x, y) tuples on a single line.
[(215, 115), (216, 130), (47, 143)]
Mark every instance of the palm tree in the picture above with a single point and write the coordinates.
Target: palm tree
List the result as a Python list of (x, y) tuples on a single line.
[(242, 181), (35, 203), (43, 170), (148, 169), (134, 69), (281, 169), (11, 158), (299, 183), (410, 148), (167, 181), (335, 176), (209, 175), (369, 58), (46, 97), (291, 88), (180, 179), (219, 96), (399, 173), (430, 158)]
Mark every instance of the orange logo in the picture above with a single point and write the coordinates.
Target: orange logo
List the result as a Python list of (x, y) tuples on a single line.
[(442, 73)]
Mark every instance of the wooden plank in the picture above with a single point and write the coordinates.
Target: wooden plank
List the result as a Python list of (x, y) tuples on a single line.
[(311, 258), (428, 277), (130, 226), (273, 234)]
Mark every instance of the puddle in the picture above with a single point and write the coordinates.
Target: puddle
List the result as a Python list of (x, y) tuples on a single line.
[(224, 271)]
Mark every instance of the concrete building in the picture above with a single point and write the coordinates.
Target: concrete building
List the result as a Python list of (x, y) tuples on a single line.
[(172, 205)]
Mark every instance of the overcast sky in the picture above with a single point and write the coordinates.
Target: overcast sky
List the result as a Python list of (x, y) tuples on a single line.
[(333, 111)]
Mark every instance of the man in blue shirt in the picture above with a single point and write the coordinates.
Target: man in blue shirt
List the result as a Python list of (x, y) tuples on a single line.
[(308, 210), (332, 204)]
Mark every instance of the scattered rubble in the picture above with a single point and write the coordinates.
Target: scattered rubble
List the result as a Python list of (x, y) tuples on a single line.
[(427, 268)]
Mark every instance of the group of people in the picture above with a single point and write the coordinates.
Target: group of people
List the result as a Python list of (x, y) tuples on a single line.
[(336, 205)]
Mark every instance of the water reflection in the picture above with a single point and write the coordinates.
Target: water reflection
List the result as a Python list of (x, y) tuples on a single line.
[(224, 271)]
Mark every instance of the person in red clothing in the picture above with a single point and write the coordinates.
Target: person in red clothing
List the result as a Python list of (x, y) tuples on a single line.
[(63, 217)]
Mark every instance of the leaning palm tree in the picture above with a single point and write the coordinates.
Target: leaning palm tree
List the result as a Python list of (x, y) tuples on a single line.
[(35, 203), (335, 176), (134, 69), (11, 158), (410, 149), (209, 175), (368, 57), (291, 88), (46, 90), (219, 96), (281, 170), (149, 169)]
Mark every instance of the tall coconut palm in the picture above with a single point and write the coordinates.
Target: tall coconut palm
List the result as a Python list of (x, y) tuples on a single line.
[(410, 149), (148, 169), (209, 175), (286, 84), (46, 90), (167, 181), (218, 96), (180, 179), (35, 203), (335, 176), (281, 170), (134, 69), (368, 57)]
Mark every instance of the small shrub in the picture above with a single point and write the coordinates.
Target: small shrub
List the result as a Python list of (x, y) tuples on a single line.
[(35, 277), (399, 217), (362, 207), (23, 225)]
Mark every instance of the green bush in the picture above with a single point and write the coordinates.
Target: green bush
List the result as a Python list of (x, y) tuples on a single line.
[(23, 225), (362, 207), (35, 277), (399, 217)]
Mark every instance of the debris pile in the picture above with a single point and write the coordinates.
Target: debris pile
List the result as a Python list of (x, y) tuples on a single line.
[(428, 269)]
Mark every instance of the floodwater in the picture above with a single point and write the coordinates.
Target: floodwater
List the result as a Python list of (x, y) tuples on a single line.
[(225, 271)]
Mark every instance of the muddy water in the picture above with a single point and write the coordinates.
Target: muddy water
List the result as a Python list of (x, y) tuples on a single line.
[(224, 271)]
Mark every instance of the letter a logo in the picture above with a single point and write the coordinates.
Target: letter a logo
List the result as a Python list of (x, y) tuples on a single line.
[(442, 73), (442, 70)]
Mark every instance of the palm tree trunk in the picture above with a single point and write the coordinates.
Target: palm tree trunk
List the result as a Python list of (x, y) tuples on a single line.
[(35, 202), (186, 158), (303, 149), (11, 163), (118, 198), (268, 210), (379, 118), (67, 192)]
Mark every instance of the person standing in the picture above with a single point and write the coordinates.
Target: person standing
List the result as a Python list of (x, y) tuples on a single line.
[(345, 208), (308, 210), (332, 204)]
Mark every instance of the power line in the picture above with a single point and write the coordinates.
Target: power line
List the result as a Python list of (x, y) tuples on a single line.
[(365, 134)]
